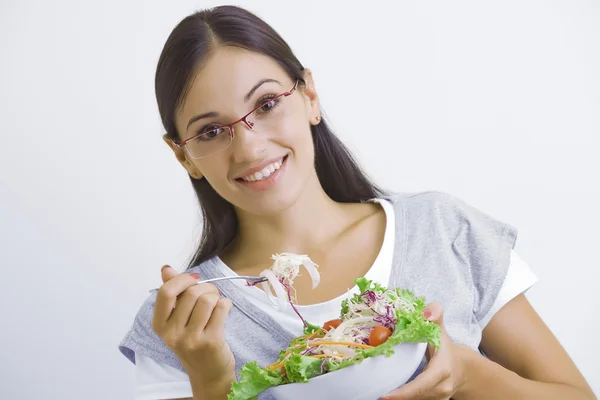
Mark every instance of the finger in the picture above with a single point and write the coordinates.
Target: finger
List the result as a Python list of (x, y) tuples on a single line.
[(419, 388), (167, 296), (216, 324), (433, 353), (188, 301), (202, 312), (434, 312), (167, 273)]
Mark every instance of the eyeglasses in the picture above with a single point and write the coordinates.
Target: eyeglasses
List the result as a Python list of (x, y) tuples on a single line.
[(213, 139)]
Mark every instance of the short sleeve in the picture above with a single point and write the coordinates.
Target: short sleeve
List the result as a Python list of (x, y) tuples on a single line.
[(519, 279), (142, 340), (452, 253), (155, 381), (484, 244)]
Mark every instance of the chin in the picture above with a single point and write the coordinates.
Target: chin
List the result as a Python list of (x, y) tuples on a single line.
[(270, 204), (297, 180)]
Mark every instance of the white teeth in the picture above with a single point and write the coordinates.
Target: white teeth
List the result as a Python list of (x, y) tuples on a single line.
[(265, 172)]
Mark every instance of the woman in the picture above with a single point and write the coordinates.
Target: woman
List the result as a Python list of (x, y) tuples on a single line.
[(242, 116)]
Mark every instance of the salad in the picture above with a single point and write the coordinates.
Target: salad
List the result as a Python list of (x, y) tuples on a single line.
[(370, 324)]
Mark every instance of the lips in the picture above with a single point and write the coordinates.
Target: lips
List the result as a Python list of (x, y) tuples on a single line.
[(262, 171), (265, 172)]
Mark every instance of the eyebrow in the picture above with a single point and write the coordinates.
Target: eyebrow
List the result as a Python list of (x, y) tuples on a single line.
[(259, 84), (247, 97), (201, 116)]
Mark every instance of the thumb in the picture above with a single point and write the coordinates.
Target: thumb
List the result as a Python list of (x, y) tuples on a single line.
[(434, 312), (167, 273)]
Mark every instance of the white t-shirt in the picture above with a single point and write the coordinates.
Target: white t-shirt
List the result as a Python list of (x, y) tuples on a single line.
[(158, 381)]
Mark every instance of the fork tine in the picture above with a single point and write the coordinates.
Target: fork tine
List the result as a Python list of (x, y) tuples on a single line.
[(257, 279)]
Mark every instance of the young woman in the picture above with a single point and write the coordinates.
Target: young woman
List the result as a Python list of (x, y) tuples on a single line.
[(242, 116)]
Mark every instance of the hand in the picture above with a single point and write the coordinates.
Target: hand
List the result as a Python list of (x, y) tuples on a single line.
[(442, 376), (190, 319)]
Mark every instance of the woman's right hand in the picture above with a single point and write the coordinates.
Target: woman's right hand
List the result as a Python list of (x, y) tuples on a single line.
[(190, 319)]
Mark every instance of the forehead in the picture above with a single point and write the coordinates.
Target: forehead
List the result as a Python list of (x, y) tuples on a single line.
[(226, 77)]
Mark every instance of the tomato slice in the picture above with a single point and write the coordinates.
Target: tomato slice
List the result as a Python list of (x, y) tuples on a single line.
[(379, 335), (334, 323)]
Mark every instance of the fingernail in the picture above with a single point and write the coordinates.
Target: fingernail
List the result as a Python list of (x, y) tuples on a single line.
[(164, 266), (386, 398), (427, 314), (195, 276)]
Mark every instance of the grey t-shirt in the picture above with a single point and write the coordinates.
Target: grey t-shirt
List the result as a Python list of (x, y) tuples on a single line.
[(444, 250)]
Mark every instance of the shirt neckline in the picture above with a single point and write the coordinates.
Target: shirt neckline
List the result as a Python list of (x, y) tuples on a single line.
[(390, 227)]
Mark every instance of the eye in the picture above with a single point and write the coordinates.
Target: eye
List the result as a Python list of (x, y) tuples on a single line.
[(268, 105), (210, 134)]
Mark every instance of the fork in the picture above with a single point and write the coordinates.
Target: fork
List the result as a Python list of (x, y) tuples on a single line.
[(253, 279)]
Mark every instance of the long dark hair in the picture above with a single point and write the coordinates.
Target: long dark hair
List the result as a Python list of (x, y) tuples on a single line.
[(188, 45)]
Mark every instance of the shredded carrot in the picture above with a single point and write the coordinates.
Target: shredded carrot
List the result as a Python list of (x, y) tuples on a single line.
[(314, 335), (276, 365), (287, 353), (350, 344), (328, 355)]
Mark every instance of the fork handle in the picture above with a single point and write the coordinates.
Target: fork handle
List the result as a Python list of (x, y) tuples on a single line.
[(255, 279), (224, 278)]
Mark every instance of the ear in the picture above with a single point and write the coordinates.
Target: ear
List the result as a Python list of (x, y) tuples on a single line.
[(310, 92), (183, 159)]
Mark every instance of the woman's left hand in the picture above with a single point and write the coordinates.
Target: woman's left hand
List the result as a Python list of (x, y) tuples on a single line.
[(443, 375)]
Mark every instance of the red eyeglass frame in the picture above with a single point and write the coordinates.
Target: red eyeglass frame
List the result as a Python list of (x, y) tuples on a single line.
[(249, 124)]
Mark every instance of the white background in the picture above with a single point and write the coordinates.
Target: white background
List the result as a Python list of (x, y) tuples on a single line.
[(498, 104)]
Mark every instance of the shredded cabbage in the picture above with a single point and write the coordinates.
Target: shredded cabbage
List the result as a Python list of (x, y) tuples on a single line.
[(281, 277)]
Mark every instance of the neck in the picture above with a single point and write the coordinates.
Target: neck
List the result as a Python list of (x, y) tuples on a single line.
[(298, 229)]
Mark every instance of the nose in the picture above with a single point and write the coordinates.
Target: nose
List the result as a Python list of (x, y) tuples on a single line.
[(248, 145)]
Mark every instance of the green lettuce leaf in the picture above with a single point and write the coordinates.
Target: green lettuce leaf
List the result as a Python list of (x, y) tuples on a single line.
[(301, 368), (253, 381), (345, 308), (410, 297), (310, 328), (365, 284), (335, 365)]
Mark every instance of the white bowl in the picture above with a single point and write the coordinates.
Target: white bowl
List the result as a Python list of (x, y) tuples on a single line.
[(369, 380)]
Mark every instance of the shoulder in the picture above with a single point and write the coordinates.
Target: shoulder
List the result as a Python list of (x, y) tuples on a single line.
[(431, 201), (449, 215)]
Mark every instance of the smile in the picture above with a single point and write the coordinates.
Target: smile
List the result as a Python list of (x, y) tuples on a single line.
[(264, 173)]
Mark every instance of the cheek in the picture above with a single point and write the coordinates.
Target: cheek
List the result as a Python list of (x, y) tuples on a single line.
[(214, 171), (296, 135)]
